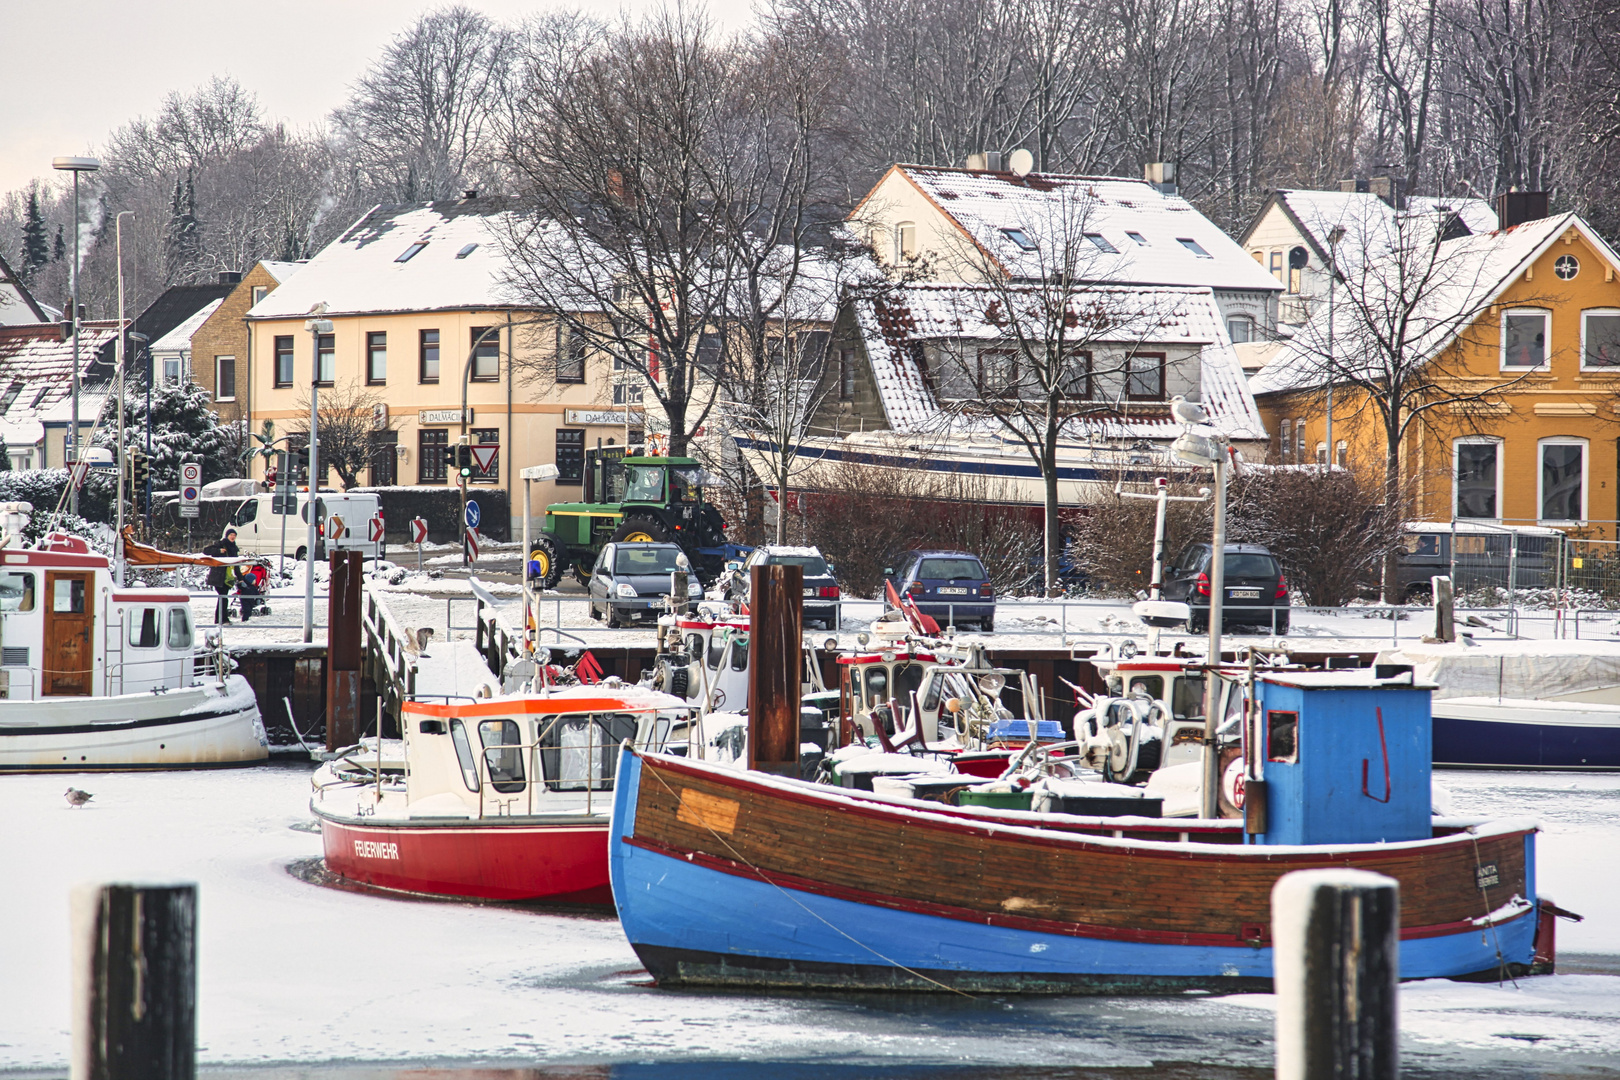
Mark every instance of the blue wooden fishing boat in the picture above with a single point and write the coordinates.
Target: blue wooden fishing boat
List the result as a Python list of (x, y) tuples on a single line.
[(1524, 733), (726, 877)]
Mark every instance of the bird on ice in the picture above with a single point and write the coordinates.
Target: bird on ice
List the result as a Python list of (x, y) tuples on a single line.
[(77, 798), (1188, 412)]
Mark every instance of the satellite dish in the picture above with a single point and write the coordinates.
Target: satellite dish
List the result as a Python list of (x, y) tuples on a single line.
[(1021, 161)]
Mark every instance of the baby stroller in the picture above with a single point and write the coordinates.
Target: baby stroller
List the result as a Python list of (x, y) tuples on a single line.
[(250, 583)]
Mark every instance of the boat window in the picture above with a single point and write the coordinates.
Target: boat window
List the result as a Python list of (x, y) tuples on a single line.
[(694, 646), (16, 592), (503, 754), (1282, 735), (143, 628), (179, 628), (739, 655), (464, 755), (907, 679), (877, 684), (1189, 699), (930, 697), (717, 651), (580, 752), (1151, 685)]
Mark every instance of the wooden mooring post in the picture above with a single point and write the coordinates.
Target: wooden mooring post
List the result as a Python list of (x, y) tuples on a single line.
[(1336, 963), (134, 982), (776, 609), (345, 646)]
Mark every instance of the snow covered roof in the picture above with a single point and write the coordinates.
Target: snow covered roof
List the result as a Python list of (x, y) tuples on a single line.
[(1369, 223), (895, 323), (17, 305), (281, 271), (441, 256), (1465, 276), (36, 370), (1157, 239), (178, 340)]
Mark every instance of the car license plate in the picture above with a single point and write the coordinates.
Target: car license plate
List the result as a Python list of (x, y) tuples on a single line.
[(949, 591), (1244, 594), (810, 592)]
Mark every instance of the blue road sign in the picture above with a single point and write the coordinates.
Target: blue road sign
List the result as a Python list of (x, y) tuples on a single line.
[(472, 514)]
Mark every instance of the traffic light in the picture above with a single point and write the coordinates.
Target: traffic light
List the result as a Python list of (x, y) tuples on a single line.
[(459, 457), (137, 470)]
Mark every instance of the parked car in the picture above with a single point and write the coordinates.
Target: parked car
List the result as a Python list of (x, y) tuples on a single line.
[(1477, 555), (630, 580), (1256, 589), (951, 586), (820, 587), (265, 527)]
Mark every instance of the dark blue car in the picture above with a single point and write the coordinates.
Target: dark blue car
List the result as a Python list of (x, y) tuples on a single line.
[(949, 585)]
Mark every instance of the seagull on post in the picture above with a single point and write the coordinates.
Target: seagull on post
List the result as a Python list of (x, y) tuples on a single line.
[(76, 798), (1188, 412)]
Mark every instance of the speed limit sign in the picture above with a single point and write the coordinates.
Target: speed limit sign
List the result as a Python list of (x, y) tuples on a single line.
[(190, 487)]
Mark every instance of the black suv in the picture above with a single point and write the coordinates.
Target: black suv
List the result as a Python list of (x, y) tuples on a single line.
[(1256, 590)]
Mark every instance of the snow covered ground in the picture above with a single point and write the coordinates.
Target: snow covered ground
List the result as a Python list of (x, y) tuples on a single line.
[(294, 974)]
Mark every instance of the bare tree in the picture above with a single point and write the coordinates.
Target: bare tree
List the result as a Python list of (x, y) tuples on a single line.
[(348, 420)]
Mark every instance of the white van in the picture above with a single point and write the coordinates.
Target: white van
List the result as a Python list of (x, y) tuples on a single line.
[(259, 530)]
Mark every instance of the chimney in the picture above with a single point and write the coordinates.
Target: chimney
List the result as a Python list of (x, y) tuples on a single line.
[(1390, 189), (986, 161), (230, 277), (1162, 175), (1517, 207), (1353, 187), (469, 194)]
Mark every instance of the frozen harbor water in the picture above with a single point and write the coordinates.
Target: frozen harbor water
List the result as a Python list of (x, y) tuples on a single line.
[(299, 980)]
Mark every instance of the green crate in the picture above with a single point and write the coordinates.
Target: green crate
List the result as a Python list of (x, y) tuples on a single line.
[(995, 800)]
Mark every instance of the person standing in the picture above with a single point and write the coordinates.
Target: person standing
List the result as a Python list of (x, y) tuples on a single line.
[(219, 577)]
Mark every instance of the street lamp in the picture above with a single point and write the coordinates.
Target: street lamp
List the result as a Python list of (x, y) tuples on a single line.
[(75, 165), (1194, 448), (1335, 235), (316, 328), (118, 228)]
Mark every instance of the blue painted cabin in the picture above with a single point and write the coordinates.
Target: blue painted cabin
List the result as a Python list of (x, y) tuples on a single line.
[(1347, 757)]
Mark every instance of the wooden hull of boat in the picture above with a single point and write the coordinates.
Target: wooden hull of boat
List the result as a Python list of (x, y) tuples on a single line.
[(727, 878), (196, 727), (1487, 733), (558, 861)]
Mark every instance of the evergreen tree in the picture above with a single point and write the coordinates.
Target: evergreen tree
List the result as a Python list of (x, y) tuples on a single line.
[(183, 426), (5, 456), (61, 247), (183, 247), (36, 250)]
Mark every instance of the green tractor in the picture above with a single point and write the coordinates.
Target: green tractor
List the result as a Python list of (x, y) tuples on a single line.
[(631, 498)]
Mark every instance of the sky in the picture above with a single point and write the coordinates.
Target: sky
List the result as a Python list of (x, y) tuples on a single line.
[(298, 56)]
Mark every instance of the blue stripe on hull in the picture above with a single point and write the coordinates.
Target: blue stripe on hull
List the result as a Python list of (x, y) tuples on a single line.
[(1525, 746), (979, 465), (691, 924)]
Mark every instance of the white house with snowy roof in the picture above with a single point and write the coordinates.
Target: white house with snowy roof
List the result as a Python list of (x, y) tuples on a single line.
[(17, 305), (36, 378)]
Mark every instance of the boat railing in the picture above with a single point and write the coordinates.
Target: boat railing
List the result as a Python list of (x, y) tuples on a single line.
[(495, 772), (393, 663)]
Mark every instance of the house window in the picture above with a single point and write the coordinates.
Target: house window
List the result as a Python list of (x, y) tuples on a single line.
[(284, 361), (1021, 238), (11, 394), (260, 292), (325, 359), (1341, 454), (711, 354), (486, 366), (431, 444), (1138, 238), (384, 458), (224, 378), (1240, 328), (1144, 377), (1321, 453), (173, 370), (1524, 339), (466, 251), (1193, 246), (1100, 242), (998, 373), (570, 355), (1600, 339), (846, 374), (1074, 381), (487, 437), (1276, 264), (1286, 442), (1297, 260), (411, 252), (427, 356), (1478, 480), (1299, 439), (1563, 479), (570, 455), (376, 358), (905, 240)]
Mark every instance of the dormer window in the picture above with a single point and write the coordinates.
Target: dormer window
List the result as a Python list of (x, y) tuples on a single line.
[(1021, 238), (11, 395), (466, 251), (1141, 241), (1193, 246), (411, 252), (1100, 242)]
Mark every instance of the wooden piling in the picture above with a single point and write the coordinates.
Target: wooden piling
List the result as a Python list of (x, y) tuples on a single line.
[(1336, 962), (776, 606), (134, 982), (1445, 621), (344, 649)]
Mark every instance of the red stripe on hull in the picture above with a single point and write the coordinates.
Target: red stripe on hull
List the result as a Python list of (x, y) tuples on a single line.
[(567, 864)]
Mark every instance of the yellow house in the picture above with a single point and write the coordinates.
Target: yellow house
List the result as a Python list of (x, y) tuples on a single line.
[(1521, 344), (420, 316)]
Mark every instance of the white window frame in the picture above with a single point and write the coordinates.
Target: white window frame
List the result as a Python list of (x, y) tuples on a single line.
[(900, 228), (1609, 311), (259, 293), (1248, 320), (1321, 453), (1586, 477), (218, 364), (1546, 346), (1286, 443), (1342, 454), (1484, 440)]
